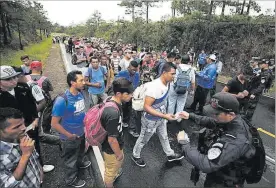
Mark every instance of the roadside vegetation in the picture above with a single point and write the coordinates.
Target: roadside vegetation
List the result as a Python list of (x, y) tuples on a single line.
[(38, 51)]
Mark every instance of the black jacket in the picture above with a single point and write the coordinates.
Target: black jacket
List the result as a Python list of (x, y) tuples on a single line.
[(23, 101)]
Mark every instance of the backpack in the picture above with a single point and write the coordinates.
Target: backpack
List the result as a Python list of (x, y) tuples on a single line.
[(157, 67), (95, 133), (138, 97), (256, 164), (39, 81), (183, 81), (46, 115)]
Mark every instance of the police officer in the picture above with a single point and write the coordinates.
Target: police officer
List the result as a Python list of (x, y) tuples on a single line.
[(257, 84), (228, 150)]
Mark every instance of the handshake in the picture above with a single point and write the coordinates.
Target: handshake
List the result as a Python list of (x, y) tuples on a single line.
[(178, 116)]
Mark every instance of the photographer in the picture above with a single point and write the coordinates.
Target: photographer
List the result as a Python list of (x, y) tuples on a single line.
[(229, 149)]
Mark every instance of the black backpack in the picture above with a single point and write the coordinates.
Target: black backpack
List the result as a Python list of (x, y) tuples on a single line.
[(46, 115), (257, 163)]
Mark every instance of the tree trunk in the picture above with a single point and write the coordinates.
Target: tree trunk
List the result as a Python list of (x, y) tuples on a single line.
[(8, 27), (237, 7), (133, 13), (211, 7), (223, 8), (4, 30), (248, 7), (147, 12), (243, 5), (19, 36)]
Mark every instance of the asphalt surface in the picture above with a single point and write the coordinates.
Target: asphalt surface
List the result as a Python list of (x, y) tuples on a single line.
[(160, 173)]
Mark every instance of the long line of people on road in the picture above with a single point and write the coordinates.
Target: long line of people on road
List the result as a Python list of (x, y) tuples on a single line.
[(148, 91)]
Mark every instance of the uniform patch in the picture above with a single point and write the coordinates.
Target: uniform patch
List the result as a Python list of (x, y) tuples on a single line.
[(213, 153), (218, 145), (262, 81)]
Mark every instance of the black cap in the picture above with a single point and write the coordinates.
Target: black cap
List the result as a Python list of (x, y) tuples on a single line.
[(222, 102), (185, 59)]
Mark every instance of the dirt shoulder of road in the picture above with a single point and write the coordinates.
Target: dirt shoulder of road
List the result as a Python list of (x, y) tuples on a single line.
[(55, 71)]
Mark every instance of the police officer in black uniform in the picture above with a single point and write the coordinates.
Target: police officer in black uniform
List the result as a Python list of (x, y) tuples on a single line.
[(257, 84), (228, 150)]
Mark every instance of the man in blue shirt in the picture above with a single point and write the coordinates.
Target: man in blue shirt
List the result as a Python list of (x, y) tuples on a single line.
[(94, 79), (202, 60), (205, 80), (67, 118), (132, 75)]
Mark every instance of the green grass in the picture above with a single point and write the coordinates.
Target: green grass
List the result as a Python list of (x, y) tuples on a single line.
[(39, 51)]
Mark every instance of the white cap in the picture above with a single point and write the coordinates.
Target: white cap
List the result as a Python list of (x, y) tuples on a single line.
[(7, 72), (213, 57)]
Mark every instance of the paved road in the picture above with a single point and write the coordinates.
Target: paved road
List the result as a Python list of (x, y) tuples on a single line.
[(159, 173)]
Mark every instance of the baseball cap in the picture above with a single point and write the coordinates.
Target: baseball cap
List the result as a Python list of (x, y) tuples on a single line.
[(222, 102), (213, 57), (7, 72), (108, 52), (77, 47), (36, 64)]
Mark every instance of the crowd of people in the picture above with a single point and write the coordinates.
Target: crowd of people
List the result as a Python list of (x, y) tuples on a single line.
[(148, 89)]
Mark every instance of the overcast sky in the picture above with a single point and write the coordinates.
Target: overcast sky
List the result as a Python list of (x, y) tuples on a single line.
[(68, 12)]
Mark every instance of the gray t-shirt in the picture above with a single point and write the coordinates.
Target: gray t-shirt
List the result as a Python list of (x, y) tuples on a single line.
[(46, 84)]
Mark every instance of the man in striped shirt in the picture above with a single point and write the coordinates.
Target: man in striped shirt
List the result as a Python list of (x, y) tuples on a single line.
[(19, 164)]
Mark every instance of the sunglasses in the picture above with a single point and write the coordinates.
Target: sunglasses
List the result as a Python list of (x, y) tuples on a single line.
[(129, 52), (215, 105)]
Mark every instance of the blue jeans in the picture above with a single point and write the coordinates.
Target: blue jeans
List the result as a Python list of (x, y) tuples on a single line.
[(148, 129), (176, 102)]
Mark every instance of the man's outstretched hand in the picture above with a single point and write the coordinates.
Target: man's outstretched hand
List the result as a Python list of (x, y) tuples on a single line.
[(184, 115)]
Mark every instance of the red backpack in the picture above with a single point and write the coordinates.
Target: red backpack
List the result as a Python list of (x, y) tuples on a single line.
[(95, 134)]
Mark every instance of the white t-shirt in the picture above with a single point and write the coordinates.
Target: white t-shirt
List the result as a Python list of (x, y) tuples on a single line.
[(36, 91), (156, 89), (124, 64)]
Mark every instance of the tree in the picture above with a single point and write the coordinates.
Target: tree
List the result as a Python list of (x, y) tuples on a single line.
[(148, 4), (252, 5), (131, 7), (243, 5), (188, 6), (22, 19)]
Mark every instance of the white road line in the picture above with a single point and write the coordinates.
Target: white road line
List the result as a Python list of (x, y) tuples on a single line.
[(270, 159), (96, 149)]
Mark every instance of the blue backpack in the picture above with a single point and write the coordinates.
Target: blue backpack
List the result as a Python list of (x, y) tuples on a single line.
[(183, 81)]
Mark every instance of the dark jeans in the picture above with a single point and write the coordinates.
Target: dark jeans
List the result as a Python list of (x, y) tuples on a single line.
[(73, 152), (215, 181), (135, 121), (200, 97), (249, 108), (213, 90), (127, 107)]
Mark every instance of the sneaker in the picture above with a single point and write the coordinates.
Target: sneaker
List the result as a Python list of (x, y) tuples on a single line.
[(125, 125), (140, 162), (77, 183), (85, 164), (48, 168), (119, 174), (175, 157), (134, 134)]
